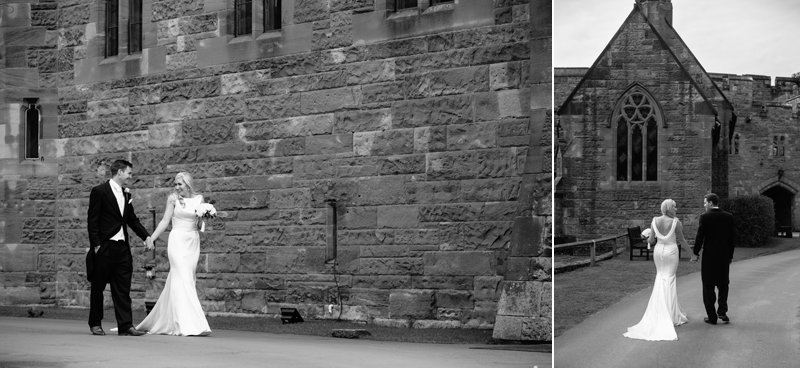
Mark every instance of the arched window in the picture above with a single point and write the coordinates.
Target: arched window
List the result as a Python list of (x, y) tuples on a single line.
[(637, 118), (112, 28)]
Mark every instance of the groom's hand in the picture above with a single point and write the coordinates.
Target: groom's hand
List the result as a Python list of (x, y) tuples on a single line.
[(694, 258), (149, 243)]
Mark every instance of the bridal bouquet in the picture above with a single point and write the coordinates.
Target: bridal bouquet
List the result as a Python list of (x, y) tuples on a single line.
[(646, 235), (203, 212)]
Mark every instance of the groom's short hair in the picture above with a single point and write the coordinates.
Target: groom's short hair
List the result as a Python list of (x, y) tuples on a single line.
[(712, 198), (118, 165)]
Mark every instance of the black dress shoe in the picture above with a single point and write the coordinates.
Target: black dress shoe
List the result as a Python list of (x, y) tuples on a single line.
[(131, 332), (710, 321), (724, 318), (97, 330)]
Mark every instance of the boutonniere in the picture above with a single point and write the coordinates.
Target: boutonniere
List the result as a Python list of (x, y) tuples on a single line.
[(127, 192)]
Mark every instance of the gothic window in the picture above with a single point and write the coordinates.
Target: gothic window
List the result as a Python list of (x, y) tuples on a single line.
[(734, 146), (135, 26), (32, 120), (778, 146), (637, 118), (112, 28), (243, 17), (272, 15)]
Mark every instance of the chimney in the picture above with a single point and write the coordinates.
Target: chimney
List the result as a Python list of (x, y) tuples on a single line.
[(657, 10)]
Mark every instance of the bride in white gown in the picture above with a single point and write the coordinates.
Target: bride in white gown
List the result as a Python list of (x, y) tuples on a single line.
[(663, 311), (178, 311)]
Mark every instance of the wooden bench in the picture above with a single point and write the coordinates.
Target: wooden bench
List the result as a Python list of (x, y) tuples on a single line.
[(637, 244)]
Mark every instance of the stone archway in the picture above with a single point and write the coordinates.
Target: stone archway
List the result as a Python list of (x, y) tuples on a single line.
[(783, 199), (783, 196)]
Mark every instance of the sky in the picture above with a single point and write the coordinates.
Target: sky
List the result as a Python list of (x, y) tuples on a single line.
[(727, 36)]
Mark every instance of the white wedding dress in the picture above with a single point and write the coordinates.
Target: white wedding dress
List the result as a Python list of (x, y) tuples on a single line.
[(178, 311), (663, 311)]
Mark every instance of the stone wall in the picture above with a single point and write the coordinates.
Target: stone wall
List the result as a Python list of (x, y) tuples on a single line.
[(416, 123), (592, 201), (764, 111)]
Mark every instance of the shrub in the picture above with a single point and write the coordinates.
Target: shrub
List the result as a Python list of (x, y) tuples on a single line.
[(754, 216)]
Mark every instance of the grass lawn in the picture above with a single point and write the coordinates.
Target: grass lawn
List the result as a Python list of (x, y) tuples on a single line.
[(582, 292)]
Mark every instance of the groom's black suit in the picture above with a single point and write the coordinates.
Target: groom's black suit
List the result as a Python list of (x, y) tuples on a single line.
[(715, 237), (113, 262)]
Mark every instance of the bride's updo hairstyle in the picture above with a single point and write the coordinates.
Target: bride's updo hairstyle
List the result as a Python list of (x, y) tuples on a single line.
[(668, 208)]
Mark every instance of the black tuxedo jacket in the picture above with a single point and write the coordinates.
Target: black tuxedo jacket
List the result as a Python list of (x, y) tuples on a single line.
[(715, 237), (104, 219)]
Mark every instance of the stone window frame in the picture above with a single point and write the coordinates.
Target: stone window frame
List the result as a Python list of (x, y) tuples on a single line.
[(649, 124), (31, 130), (123, 28), (777, 145), (258, 23), (393, 11)]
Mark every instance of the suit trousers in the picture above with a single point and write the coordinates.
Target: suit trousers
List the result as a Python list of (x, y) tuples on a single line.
[(717, 280), (113, 265)]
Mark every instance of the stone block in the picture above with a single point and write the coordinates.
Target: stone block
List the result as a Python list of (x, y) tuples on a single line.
[(471, 136), (17, 257), (371, 72), (471, 164), (190, 89), (359, 218), (460, 263), (382, 92), (289, 198), (521, 298), (329, 100), (254, 302), (382, 282), (292, 127), (502, 104), (457, 81), (505, 75), (309, 236), (487, 288), (443, 282), (430, 139), (433, 111), (223, 262), (458, 299), (397, 141), (19, 295), (351, 121), (391, 266), (401, 164), (449, 212), (329, 144), (392, 323), (271, 107), (398, 216), (416, 304)]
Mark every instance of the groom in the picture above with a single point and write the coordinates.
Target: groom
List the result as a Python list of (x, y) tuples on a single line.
[(716, 233), (109, 259)]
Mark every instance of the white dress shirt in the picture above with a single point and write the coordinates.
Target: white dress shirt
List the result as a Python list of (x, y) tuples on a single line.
[(121, 203)]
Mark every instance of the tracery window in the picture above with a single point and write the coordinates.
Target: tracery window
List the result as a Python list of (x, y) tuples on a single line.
[(637, 119), (778, 146)]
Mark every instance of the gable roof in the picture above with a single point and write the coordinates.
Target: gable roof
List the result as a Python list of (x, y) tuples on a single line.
[(679, 51)]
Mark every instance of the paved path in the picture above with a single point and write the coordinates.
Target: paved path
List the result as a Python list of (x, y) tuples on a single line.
[(26, 342), (764, 306)]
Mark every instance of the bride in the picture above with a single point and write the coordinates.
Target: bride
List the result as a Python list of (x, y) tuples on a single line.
[(178, 311), (663, 311)]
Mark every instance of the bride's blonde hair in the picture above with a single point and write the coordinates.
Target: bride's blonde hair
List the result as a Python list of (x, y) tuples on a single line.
[(187, 179), (668, 207)]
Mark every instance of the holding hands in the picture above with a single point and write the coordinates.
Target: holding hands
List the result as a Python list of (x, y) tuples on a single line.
[(149, 243), (694, 258)]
